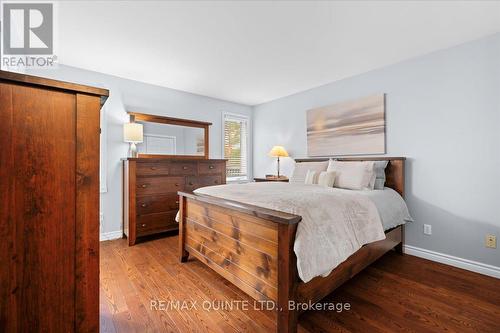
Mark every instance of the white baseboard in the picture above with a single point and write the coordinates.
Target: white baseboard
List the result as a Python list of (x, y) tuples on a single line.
[(111, 235), (469, 265)]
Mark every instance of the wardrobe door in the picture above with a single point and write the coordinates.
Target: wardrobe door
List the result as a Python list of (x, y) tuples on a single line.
[(38, 129), (87, 213)]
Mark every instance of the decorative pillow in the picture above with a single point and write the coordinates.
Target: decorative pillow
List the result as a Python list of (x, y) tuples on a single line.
[(353, 175), (311, 177), (326, 178), (379, 168), (300, 170)]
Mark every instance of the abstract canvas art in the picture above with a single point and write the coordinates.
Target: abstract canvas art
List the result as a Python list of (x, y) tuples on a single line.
[(347, 128)]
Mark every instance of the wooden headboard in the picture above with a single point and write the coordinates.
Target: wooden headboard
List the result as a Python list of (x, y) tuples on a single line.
[(394, 173)]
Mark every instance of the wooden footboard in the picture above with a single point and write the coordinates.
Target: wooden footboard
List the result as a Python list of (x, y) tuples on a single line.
[(240, 247), (252, 247)]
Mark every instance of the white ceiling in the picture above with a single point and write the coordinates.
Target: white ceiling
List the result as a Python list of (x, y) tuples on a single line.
[(254, 52)]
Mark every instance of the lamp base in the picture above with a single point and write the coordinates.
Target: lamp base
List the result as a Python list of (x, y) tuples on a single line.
[(132, 152)]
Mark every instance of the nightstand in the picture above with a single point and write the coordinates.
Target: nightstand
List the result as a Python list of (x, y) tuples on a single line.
[(271, 179)]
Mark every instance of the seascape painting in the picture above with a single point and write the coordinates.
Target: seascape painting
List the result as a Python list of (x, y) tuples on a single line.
[(347, 128)]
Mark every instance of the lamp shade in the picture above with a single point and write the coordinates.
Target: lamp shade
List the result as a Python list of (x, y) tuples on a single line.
[(132, 132), (278, 151)]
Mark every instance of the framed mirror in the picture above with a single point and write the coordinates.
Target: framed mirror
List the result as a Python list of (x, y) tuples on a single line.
[(171, 137)]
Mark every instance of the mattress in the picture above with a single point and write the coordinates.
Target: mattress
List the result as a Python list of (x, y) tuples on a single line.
[(390, 205)]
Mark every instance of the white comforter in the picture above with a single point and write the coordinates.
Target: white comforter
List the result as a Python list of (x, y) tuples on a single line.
[(335, 223)]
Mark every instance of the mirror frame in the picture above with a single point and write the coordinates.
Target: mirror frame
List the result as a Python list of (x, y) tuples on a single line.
[(134, 116)]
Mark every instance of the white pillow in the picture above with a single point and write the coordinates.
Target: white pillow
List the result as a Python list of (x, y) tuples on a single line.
[(379, 168), (311, 177), (300, 170), (353, 175), (326, 178)]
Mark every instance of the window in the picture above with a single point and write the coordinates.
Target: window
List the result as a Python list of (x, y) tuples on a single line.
[(235, 146)]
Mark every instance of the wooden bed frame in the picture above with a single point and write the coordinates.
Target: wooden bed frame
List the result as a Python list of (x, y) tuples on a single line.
[(252, 247)]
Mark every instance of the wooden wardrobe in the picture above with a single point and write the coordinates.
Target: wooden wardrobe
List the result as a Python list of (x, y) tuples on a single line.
[(49, 216)]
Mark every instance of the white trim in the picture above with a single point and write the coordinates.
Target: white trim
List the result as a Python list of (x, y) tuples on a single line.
[(467, 264), (111, 235)]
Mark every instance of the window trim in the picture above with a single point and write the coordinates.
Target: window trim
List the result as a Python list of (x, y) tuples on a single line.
[(240, 179)]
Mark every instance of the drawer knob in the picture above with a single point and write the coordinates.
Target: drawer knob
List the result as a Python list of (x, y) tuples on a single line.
[(143, 225), (177, 184), (143, 205), (184, 168), (211, 167), (144, 185), (190, 183), (153, 168), (216, 181)]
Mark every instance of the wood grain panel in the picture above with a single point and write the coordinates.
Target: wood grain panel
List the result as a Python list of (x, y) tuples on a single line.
[(210, 168), (183, 168), (234, 225), (9, 309), (49, 214), (157, 203), (130, 198), (87, 213), (229, 242), (195, 182), (158, 185), (244, 222), (154, 223), (153, 168), (40, 125), (261, 286), (239, 256), (250, 290), (259, 215), (395, 175), (288, 279), (245, 238), (254, 262)]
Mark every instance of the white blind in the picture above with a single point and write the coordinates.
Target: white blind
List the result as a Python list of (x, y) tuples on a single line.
[(236, 146)]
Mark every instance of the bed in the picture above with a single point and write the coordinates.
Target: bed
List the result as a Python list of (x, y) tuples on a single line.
[(253, 247)]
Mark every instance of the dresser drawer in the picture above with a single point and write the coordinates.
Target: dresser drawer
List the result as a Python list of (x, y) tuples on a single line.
[(154, 223), (183, 168), (210, 168), (192, 183), (157, 203), (159, 185), (152, 168)]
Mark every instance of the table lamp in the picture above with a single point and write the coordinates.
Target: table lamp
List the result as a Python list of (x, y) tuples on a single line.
[(132, 133), (278, 151)]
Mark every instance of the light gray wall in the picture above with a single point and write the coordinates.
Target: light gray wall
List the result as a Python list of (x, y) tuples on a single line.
[(128, 95), (443, 114)]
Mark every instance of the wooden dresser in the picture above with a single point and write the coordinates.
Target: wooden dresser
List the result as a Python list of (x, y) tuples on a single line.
[(150, 190), (49, 208)]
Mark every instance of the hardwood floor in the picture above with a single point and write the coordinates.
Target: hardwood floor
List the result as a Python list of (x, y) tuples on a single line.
[(397, 293)]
